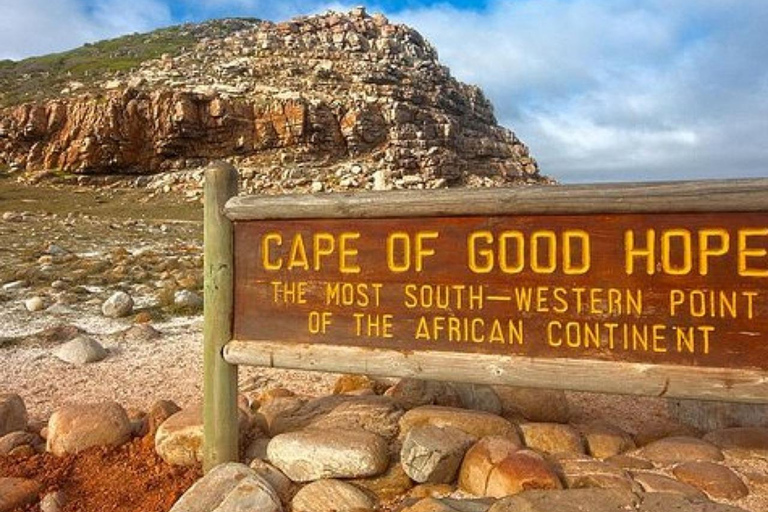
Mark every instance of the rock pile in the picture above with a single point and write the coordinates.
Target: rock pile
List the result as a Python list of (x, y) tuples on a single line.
[(327, 102), (359, 451)]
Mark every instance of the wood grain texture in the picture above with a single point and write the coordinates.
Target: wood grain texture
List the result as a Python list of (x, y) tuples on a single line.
[(743, 195), (602, 312), (594, 376), (220, 378)]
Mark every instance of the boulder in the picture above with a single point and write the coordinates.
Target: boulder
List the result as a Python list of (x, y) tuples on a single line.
[(669, 502), (583, 472), (717, 481), (481, 459), (604, 440), (552, 438), (671, 450), (81, 350), (432, 504), (742, 441), (187, 299), (118, 305), (351, 383), (651, 482), (230, 487), (410, 393), (75, 427), (710, 415), (475, 423), (494, 467), (160, 411), (179, 439), (279, 482), (17, 492), (434, 454), (375, 414), (13, 413), (331, 496), (314, 454), (478, 397), (570, 500), (15, 440), (394, 482), (534, 404)]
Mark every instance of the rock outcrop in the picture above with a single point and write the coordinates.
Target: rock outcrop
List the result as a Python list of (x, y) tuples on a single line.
[(309, 96)]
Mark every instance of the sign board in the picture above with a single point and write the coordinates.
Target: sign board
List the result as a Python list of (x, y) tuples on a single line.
[(683, 289), (649, 289)]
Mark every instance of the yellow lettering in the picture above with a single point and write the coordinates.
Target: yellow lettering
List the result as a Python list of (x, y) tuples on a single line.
[(266, 262), (746, 252), (707, 250), (631, 252)]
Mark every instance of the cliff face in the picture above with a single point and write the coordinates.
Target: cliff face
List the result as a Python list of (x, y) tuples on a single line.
[(316, 92)]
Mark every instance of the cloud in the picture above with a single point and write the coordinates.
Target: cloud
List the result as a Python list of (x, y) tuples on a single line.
[(619, 90), (36, 27)]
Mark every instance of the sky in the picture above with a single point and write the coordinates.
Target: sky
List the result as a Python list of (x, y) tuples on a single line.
[(600, 90)]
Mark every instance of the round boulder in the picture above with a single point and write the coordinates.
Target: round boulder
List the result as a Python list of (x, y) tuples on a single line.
[(120, 304), (75, 427)]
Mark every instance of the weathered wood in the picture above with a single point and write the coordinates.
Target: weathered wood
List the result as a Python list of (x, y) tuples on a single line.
[(557, 286), (220, 378), (596, 376), (742, 195)]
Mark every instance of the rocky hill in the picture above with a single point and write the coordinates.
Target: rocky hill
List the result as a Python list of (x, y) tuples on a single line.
[(330, 101)]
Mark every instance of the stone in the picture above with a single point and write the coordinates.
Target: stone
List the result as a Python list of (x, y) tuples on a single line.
[(13, 413), (534, 404), (717, 481), (579, 473), (139, 333), (479, 397), (433, 454), (158, 413), (279, 482), (15, 285), (375, 414), (14, 440), (497, 467), (229, 487), (410, 393), (394, 482), (187, 299), (671, 450), (432, 504), (552, 438), (34, 304), (475, 423), (670, 502), (481, 460), (742, 441), (257, 449), (179, 439), (351, 383), (431, 491), (331, 496), (651, 482), (314, 454), (604, 440), (75, 427), (53, 502), (118, 305), (17, 492), (628, 462), (81, 350), (569, 500)]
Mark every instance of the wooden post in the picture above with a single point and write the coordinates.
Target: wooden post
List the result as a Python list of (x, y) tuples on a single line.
[(220, 378)]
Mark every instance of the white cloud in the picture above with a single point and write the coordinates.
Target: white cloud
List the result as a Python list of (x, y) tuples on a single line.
[(35, 27), (619, 90)]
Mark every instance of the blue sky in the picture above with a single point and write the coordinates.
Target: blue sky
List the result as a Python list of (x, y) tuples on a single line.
[(601, 90)]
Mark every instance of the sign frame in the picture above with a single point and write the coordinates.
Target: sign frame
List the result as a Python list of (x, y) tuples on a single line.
[(222, 354)]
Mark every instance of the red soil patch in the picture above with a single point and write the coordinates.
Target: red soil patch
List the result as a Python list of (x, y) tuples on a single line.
[(129, 478)]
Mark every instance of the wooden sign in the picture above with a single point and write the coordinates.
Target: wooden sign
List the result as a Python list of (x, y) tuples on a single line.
[(657, 289), (689, 289)]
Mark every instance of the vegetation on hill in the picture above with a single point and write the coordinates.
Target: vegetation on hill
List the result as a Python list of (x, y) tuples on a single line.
[(46, 76)]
